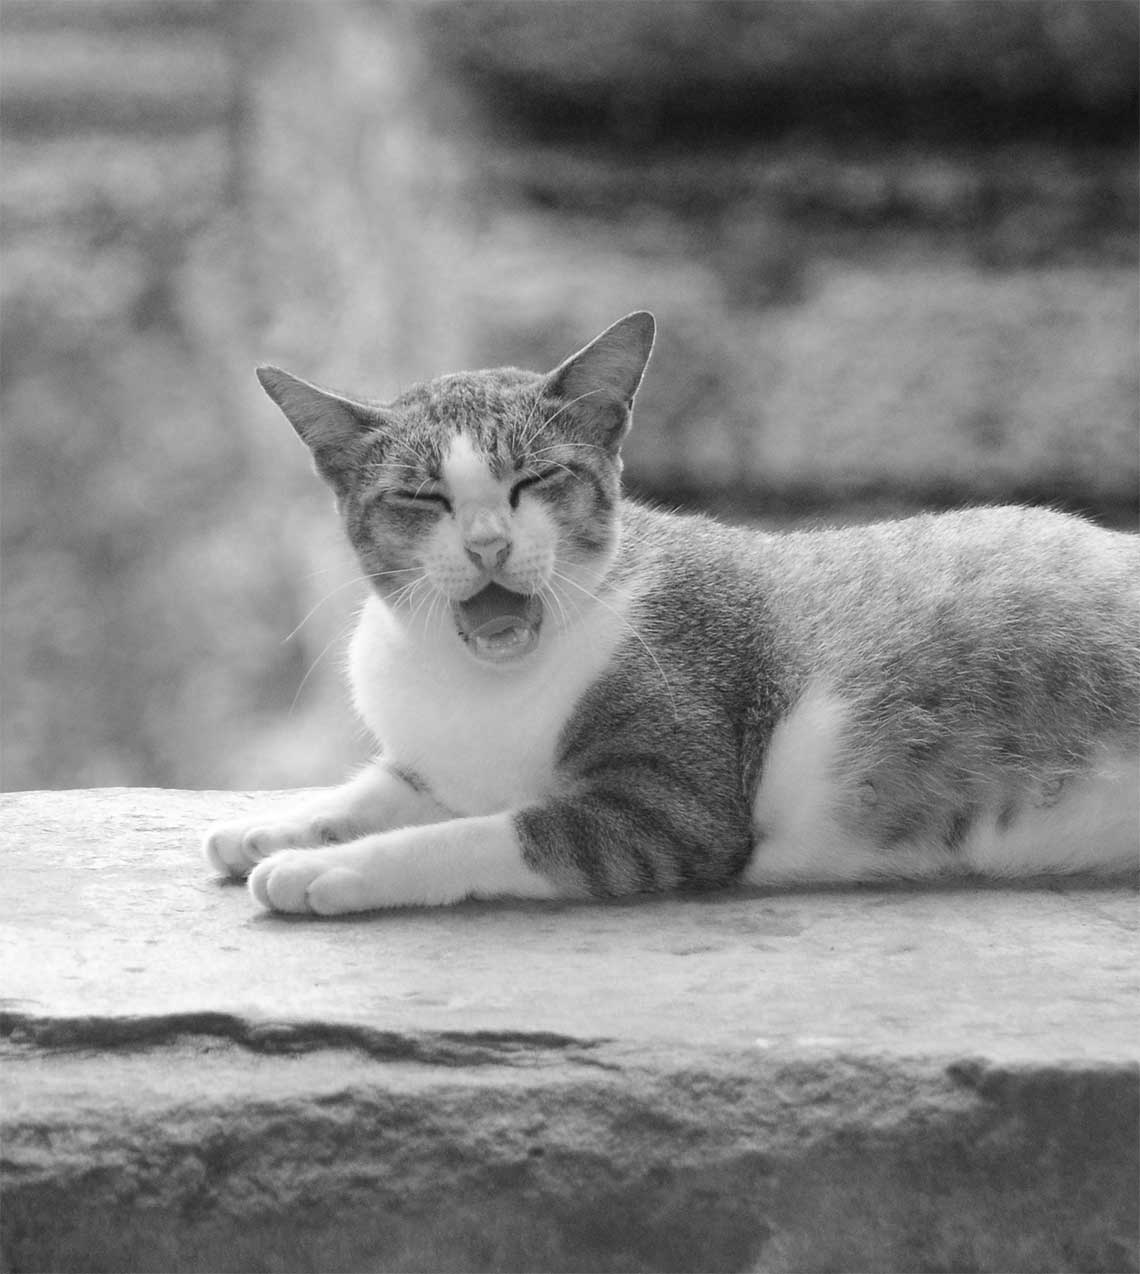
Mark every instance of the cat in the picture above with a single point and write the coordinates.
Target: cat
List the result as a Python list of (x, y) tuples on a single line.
[(578, 696)]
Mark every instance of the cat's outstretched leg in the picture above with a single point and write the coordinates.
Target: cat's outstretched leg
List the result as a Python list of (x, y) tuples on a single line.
[(442, 863), (594, 841), (377, 799)]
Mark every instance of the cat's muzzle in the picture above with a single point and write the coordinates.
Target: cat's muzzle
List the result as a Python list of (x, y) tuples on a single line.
[(498, 625)]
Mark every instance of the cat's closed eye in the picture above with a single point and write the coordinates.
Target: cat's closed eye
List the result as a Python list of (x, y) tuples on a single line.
[(546, 477), (422, 501)]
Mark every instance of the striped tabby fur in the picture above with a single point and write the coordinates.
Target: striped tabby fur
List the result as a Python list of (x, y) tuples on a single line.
[(575, 695)]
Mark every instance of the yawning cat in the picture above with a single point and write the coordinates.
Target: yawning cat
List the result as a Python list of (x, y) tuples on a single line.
[(576, 695)]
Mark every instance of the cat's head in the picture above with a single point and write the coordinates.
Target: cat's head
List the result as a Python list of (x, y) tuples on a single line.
[(483, 506)]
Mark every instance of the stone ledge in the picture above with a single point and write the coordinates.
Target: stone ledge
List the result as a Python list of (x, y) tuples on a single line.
[(877, 1079)]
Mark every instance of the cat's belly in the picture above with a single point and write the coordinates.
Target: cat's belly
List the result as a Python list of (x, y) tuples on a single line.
[(815, 816), (482, 739)]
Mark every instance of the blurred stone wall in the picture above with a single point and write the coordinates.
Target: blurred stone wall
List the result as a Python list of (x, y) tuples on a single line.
[(892, 249), (191, 187), (119, 123), (892, 246)]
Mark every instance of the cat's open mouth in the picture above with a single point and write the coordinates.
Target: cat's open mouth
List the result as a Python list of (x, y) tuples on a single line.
[(499, 625)]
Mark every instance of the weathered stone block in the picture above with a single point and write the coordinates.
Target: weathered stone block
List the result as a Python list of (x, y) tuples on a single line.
[(872, 1079)]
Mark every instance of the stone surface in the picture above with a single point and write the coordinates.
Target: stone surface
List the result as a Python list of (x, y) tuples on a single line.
[(871, 1079)]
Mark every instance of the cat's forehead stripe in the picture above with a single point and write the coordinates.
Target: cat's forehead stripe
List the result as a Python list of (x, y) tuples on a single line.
[(467, 474)]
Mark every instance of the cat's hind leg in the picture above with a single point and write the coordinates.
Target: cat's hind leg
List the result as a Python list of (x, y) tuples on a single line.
[(375, 800), (799, 834), (840, 800)]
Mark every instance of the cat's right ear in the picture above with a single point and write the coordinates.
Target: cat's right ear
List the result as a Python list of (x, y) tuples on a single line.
[(604, 377), (328, 424)]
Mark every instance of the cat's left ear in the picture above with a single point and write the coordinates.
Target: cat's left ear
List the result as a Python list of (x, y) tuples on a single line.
[(602, 379), (330, 425)]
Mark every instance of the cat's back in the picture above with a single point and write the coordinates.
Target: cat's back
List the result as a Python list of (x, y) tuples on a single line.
[(923, 578), (992, 549), (980, 575), (995, 611)]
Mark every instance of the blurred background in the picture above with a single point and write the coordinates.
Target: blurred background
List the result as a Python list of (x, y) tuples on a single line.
[(891, 247)]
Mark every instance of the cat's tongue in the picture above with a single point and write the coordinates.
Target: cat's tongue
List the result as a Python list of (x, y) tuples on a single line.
[(498, 624)]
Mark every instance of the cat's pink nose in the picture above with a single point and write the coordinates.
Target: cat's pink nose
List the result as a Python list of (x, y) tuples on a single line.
[(488, 553)]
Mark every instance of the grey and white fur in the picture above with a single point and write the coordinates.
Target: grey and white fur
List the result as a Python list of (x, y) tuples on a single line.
[(574, 695)]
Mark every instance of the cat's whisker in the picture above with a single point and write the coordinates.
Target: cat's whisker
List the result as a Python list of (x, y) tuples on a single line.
[(644, 644), (576, 606), (567, 405), (571, 615), (437, 599), (338, 636), (406, 594), (432, 597), (403, 591), (389, 466), (396, 570), (557, 464), (560, 446), (409, 457), (358, 579), (528, 438), (549, 595), (427, 601), (408, 599), (417, 472), (320, 570), (542, 424)]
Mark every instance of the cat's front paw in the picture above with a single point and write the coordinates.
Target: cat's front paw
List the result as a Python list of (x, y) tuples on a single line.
[(320, 882), (231, 848), (235, 848)]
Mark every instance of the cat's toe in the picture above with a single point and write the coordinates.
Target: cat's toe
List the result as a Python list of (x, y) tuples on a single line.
[(281, 882), (234, 848), (302, 882), (336, 891), (228, 849)]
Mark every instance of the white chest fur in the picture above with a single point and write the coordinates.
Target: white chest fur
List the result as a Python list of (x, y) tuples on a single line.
[(485, 739)]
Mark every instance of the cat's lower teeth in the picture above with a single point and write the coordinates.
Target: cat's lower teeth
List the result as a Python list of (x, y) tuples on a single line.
[(504, 644), (499, 625)]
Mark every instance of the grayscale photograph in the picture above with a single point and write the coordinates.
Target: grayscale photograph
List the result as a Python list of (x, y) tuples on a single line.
[(570, 681)]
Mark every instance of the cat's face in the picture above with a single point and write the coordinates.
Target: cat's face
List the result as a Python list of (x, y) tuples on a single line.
[(478, 514), (483, 506)]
